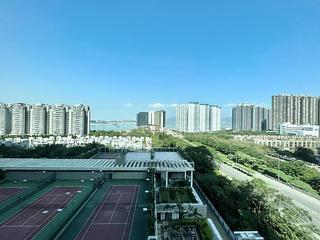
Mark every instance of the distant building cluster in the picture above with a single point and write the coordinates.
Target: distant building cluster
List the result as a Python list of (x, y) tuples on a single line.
[(282, 142), (69, 141), (156, 119), (22, 119), (295, 109), (195, 117), (246, 117), (294, 114)]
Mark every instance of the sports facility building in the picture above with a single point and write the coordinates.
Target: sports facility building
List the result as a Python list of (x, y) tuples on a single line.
[(90, 198)]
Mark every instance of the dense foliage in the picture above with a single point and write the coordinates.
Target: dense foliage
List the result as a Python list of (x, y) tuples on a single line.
[(139, 132), (250, 205), (296, 173), (245, 205), (49, 151)]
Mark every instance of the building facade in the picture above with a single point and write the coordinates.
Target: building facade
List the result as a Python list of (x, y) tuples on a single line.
[(195, 117), (77, 120), (19, 119), (5, 119), (282, 142), (295, 109), (40, 120), (152, 118), (288, 129), (142, 119), (246, 117)]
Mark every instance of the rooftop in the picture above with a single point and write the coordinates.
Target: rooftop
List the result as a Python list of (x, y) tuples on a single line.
[(163, 161)]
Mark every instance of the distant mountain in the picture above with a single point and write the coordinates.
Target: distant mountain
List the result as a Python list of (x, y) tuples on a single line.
[(226, 123)]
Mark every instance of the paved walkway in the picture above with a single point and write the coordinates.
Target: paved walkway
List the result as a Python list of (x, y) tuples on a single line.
[(301, 199)]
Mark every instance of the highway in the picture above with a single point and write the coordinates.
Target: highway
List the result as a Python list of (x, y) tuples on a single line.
[(301, 199)]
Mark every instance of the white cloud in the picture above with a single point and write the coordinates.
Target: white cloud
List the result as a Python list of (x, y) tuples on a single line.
[(173, 105), (128, 104), (162, 105), (157, 105), (230, 105)]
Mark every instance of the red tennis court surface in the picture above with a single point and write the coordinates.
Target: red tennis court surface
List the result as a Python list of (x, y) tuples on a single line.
[(30, 220), (6, 192), (113, 217)]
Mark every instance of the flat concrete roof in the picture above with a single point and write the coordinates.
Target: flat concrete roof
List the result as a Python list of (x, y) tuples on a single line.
[(163, 161)]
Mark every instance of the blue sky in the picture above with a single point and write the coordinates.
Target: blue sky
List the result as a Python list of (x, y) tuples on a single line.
[(121, 57)]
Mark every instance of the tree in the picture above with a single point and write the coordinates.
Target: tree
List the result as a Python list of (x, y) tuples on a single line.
[(305, 154)]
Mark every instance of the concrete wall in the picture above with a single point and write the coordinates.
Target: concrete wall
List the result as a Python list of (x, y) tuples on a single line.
[(79, 175), (31, 176), (129, 175)]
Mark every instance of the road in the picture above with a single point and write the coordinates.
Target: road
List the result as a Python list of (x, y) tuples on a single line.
[(302, 200)]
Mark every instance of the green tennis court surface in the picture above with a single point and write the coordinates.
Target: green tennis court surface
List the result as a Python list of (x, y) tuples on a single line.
[(22, 218)]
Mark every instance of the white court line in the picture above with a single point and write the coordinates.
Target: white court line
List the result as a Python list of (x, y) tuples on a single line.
[(20, 226), (124, 230), (53, 212), (39, 211), (11, 195), (120, 193), (93, 224), (114, 210), (94, 215), (135, 206), (41, 197)]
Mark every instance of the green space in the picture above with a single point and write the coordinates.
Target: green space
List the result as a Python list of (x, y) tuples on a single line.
[(244, 205), (176, 195), (138, 132), (255, 157), (200, 224)]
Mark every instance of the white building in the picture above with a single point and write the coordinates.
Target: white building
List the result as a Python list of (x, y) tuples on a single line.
[(57, 124), (299, 130), (5, 119), (19, 121), (215, 118), (195, 117), (78, 120), (38, 121)]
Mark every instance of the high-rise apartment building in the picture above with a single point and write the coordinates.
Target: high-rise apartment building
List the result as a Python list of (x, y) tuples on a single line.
[(5, 119), (295, 109), (215, 118), (246, 117), (38, 119), (142, 119), (35, 120), (159, 119), (19, 119), (77, 120), (58, 120), (152, 118), (195, 117)]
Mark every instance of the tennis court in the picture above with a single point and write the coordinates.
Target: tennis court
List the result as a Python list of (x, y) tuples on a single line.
[(28, 222), (113, 217), (6, 192)]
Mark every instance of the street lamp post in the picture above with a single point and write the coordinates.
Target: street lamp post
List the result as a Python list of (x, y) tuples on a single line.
[(278, 169)]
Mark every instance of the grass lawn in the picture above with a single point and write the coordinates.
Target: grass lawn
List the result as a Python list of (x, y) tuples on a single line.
[(176, 195)]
